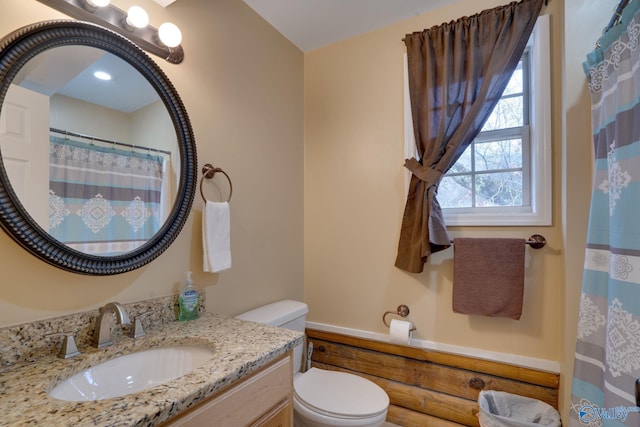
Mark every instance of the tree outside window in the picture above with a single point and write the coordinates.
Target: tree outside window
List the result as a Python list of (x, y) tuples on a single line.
[(493, 171)]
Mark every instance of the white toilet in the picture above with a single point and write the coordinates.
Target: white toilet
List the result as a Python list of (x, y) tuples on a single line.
[(323, 398)]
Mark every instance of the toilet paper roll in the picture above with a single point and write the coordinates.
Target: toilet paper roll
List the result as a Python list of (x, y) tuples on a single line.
[(400, 331)]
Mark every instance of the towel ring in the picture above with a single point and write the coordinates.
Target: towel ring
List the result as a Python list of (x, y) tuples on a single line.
[(208, 171)]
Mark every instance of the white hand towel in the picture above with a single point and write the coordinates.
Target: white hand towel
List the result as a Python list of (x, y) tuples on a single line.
[(216, 237)]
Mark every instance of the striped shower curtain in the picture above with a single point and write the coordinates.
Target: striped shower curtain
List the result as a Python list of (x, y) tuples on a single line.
[(102, 200), (607, 359)]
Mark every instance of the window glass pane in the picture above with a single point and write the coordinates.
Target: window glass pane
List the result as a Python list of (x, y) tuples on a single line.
[(488, 185), (463, 164), (506, 154), (515, 85), (508, 113), (455, 192), (499, 189)]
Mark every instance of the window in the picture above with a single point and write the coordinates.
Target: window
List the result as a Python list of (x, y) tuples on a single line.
[(504, 176)]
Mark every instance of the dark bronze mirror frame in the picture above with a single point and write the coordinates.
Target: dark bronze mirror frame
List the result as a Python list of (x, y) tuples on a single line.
[(16, 49)]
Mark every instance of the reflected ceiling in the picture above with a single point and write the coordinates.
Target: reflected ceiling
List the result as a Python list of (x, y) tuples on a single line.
[(72, 75)]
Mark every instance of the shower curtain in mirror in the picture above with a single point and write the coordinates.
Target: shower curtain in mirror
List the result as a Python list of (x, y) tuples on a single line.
[(103, 200), (607, 358)]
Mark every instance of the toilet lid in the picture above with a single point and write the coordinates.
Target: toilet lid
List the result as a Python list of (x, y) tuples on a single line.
[(339, 393)]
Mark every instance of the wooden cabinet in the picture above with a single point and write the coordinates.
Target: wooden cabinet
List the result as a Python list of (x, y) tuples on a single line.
[(262, 399), (280, 416)]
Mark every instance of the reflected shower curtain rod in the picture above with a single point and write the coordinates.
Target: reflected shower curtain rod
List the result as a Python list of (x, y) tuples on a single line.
[(124, 144)]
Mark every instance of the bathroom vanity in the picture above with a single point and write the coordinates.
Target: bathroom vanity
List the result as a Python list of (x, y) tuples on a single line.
[(246, 376), (248, 380), (262, 399)]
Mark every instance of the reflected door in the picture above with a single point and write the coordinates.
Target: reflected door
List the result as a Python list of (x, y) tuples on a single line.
[(24, 142)]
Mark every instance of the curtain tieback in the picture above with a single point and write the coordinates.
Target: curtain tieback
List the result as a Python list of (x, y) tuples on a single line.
[(425, 173)]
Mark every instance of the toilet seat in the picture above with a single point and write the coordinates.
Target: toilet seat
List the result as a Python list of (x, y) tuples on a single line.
[(339, 394)]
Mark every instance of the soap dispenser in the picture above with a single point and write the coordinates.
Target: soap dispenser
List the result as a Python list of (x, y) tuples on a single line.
[(188, 301)]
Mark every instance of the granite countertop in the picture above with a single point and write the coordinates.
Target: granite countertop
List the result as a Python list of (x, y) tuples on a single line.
[(239, 347)]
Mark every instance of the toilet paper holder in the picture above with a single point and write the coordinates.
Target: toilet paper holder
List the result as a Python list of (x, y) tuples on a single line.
[(402, 311)]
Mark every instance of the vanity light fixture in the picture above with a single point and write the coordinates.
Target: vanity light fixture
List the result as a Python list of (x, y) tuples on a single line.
[(92, 5), (137, 17), (132, 25), (170, 35)]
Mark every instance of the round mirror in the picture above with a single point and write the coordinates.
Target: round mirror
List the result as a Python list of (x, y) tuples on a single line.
[(97, 156)]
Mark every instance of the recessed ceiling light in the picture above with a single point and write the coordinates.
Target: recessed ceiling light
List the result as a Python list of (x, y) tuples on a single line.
[(101, 75)]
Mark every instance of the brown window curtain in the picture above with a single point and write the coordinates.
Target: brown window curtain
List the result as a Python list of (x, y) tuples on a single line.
[(457, 73)]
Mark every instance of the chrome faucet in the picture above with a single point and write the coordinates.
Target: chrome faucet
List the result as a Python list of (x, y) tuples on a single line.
[(102, 332)]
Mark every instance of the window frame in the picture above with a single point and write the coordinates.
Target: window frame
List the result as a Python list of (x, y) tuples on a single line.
[(539, 167)]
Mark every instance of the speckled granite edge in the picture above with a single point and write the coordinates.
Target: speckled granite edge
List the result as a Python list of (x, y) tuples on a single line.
[(239, 348), (27, 342)]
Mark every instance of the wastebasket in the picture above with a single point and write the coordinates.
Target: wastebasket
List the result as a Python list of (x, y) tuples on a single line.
[(501, 409)]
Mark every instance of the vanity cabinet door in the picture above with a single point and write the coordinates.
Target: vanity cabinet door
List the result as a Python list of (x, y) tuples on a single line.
[(281, 416), (262, 399)]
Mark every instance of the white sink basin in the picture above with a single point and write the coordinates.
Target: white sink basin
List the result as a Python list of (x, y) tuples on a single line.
[(131, 373)]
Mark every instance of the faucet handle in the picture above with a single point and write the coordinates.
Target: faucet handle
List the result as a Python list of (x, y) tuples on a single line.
[(69, 348), (137, 331)]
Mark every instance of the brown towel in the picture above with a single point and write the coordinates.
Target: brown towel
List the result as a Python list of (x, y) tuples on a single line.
[(488, 277)]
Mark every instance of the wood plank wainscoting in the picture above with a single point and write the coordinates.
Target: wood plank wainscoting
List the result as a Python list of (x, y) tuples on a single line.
[(425, 387)]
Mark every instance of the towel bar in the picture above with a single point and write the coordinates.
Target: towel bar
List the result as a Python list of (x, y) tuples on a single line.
[(208, 171), (536, 241)]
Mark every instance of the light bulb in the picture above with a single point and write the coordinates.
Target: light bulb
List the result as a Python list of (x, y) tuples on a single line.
[(169, 34), (98, 3), (137, 17)]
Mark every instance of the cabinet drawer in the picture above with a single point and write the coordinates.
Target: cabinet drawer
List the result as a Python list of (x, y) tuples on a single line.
[(244, 403)]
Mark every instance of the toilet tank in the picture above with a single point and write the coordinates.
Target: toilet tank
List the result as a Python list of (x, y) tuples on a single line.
[(287, 314)]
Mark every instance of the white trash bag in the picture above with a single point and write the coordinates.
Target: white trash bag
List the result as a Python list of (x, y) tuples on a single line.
[(501, 409)]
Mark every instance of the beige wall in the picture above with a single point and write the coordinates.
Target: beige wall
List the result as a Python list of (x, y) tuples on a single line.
[(237, 68), (67, 113), (242, 84), (354, 195), (354, 200)]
